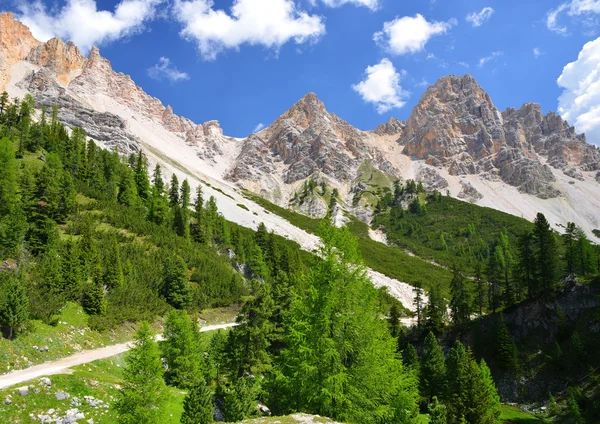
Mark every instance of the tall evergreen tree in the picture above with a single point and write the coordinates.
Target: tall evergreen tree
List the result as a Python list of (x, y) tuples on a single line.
[(418, 303), (433, 369), (72, 283), (198, 229), (570, 242), (142, 181), (182, 350), (526, 268), (239, 401), (176, 288), (14, 306), (198, 405), (128, 195), (143, 392), (545, 252), (437, 412), (410, 358), (174, 192), (341, 360), (506, 349), (435, 312), (113, 274), (461, 302), (94, 302)]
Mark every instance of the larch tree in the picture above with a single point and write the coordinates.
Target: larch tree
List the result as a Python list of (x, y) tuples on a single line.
[(198, 407)]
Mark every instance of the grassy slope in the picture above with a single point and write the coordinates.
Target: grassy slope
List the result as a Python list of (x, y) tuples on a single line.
[(389, 260)]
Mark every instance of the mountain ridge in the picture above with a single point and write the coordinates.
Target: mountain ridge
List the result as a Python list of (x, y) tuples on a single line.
[(455, 139)]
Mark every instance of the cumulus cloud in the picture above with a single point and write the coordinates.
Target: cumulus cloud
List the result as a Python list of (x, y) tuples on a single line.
[(381, 87), (371, 4), (537, 52), (486, 59), (573, 8), (164, 69), (269, 23), (579, 102), (81, 22), (258, 127), (479, 18), (410, 34)]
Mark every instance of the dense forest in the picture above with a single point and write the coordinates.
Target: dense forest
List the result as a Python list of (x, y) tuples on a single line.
[(82, 224)]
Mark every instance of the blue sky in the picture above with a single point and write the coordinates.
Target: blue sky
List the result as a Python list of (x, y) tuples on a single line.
[(246, 66)]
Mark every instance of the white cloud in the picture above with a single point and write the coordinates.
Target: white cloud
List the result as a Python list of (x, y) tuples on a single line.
[(381, 87), (463, 64), (410, 34), (478, 19), (579, 102), (81, 22), (164, 69), (573, 8), (258, 127), (269, 23), (371, 4), (537, 52), (423, 83), (486, 59)]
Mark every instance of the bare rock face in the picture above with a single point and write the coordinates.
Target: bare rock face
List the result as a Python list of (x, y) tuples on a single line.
[(303, 140), (456, 125), (431, 179), (108, 128), (16, 41), (469, 193), (392, 127), (64, 60)]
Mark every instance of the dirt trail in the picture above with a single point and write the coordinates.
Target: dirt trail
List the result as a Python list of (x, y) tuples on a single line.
[(60, 365)]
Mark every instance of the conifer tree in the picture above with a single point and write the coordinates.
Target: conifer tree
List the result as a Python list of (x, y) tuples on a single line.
[(341, 360), (143, 392), (435, 312), (487, 401), (14, 306), (128, 195), (198, 405), (394, 320), (176, 288), (432, 369), (248, 343), (239, 401), (182, 351), (410, 359), (570, 240), (480, 289), (437, 412), (141, 177), (94, 302), (526, 268), (545, 251), (8, 178), (72, 283), (198, 229), (506, 350), (113, 275), (461, 299), (182, 212), (418, 303), (174, 192)]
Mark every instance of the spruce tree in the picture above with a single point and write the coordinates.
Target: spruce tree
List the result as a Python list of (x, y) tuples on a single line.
[(14, 306), (198, 229), (176, 288), (113, 275), (545, 252), (239, 401), (418, 303), (198, 405), (141, 177), (487, 401), (506, 350), (435, 312), (410, 359), (433, 369), (143, 391), (94, 302), (8, 178), (437, 412), (341, 360), (526, 267), (182, 350), (174, 192), (570, 242), (461, 302), (128, 195), (394, 320)]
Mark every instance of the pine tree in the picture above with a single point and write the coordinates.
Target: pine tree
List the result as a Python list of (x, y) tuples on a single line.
[(480, 289), (182, 351), (113, 275), (141, 177), (487, 401), (394, 320), (14, 309), (198, 405), (418, 303), (8, 178), (435, 312), (176, 288), (506, 349), (239, 401), (433, 368), (94, 302), (437, 412), (341, 360), (461, 299), (526, 268), (495, 275), (248, 343), (410, 359), (143, 392), (545, 252), (128, 195), (198, 229), (570, 240), (174, 192), (508, 264)]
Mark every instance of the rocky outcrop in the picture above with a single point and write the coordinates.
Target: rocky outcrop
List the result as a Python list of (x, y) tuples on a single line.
[(16, 41), (304, 140), (392, 127), (456, 125), (431, 179), (468, 192), (64, 60)]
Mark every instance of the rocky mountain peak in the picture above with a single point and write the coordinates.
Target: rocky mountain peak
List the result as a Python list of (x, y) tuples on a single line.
[(64, 60), (392, 127), (16, 41), (306, 112)]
